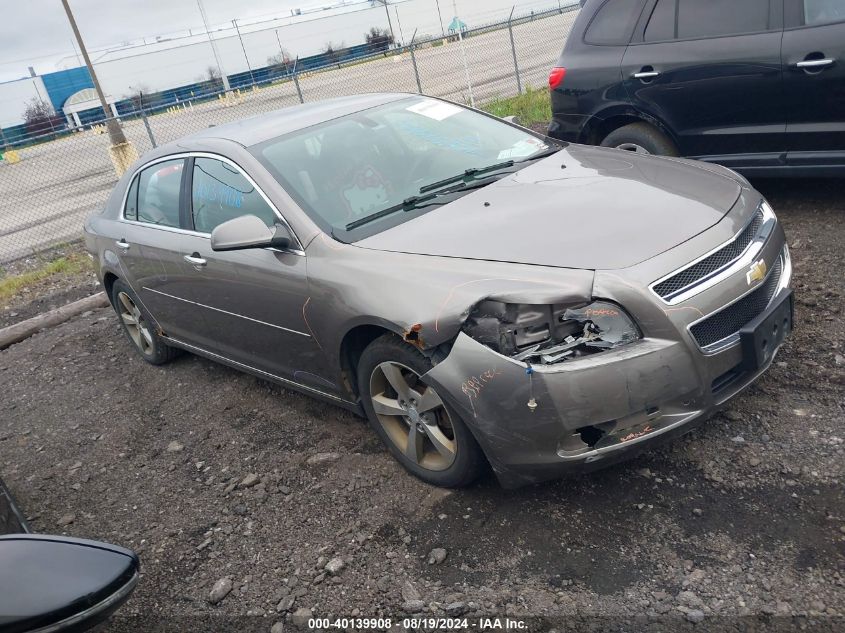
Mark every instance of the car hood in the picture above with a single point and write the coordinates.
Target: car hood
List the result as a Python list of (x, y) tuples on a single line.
[(584, 207)]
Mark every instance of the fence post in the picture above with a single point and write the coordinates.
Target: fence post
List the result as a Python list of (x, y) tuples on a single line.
[(414, 62), (513, 50), (146, 121), (296, 80)]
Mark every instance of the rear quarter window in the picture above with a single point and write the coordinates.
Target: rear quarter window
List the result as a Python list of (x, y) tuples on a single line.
[(130, 211), (613, 22), (159, 189)]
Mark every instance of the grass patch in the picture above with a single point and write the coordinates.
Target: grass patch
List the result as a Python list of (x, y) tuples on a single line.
[(531, 107), (72, 264)]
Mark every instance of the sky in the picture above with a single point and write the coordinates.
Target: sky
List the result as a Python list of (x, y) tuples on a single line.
[(36, 32)]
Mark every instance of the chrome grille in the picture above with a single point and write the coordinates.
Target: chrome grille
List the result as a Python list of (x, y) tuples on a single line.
[(690, 276), (729, 320)]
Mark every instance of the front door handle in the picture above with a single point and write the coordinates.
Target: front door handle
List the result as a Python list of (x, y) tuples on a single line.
[(815, 63), (646, 74), (195, 260), (123, 244)]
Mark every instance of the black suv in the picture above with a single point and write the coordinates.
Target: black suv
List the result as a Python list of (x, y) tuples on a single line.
[(756, 85)]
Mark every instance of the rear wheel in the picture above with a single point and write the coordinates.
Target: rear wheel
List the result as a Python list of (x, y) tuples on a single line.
[(641, 138), (139, 327), (422, 432)]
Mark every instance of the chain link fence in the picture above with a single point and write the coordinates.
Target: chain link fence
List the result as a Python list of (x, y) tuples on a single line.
[(52, 182)]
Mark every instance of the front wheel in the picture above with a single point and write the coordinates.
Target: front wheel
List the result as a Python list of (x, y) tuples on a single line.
[(422, 432), (641, 138)]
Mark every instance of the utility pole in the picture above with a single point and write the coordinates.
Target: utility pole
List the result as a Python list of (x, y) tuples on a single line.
[(389, 23), (223, 75), (246, 57), (116, 135), (401, 34), (440, 17), (459, 24)]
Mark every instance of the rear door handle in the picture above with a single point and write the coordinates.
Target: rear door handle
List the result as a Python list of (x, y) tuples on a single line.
[(194, 259), (123, 244), (815, 63), (646, 74)]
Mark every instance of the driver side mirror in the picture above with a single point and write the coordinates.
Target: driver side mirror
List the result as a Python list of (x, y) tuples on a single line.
[(57, 583), (248, 231)]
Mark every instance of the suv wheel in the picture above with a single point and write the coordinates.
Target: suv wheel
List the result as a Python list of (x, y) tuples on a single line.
[(641, 138), (422, 432)]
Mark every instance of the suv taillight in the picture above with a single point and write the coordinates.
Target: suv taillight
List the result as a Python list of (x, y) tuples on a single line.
[(556, 77)]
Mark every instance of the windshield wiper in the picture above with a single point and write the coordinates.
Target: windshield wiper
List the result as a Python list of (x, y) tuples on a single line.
[(417, 202), (467, 176), (472, 173), (408, 204)]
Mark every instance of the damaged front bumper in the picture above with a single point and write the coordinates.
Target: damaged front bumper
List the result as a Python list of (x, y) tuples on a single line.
[(539, 422)]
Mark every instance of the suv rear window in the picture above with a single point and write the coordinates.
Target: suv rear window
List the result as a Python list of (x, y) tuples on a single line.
[(689, 19), (613, 22)]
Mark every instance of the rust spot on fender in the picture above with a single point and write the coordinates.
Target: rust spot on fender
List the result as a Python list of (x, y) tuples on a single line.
[(412, 336)]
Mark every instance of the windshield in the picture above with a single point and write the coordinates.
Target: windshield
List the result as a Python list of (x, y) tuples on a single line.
[(363, 164)]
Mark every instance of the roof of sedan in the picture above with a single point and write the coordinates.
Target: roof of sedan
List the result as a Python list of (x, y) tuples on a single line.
[(263, 127)]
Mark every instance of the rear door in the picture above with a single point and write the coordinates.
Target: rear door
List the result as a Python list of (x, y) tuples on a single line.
[(711, 72), (150, 242), (814, 82), (252, 301)]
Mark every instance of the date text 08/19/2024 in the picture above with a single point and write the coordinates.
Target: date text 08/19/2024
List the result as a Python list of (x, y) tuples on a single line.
[(377, 624)]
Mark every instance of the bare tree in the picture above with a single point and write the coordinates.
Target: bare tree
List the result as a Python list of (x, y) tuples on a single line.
[(40, 117), (211, 79), (281, 62), (333, 51), (139, 96), (378, 39)]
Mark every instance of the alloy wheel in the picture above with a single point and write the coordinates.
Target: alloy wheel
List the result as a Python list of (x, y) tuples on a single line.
[(413, 416), (136, 324)]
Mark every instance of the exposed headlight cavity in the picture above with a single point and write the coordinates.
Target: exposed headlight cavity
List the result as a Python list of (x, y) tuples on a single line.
[(548, 334)]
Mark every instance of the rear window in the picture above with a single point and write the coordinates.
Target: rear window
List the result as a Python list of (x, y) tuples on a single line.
[(613, 22), (721, 17), (823, 12), (690, 19), (661, 25)]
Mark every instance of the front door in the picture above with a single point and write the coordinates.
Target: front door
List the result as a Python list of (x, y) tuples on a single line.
[(711, 72), (252, 301), (814, 81)]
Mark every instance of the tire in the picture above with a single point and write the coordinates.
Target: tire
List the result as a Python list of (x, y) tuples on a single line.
[(425, 417), (641, 138), (143, 337)]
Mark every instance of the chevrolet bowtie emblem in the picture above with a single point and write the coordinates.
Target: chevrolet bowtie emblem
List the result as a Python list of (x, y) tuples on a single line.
[(757, 272)]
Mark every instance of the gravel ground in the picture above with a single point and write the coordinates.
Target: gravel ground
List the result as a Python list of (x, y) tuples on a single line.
[(49, 293), (249, 503)]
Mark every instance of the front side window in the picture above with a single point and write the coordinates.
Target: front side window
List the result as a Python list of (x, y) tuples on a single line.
[(158, 193), (365, 164), (613, 22), (220, 192), (823, 12)]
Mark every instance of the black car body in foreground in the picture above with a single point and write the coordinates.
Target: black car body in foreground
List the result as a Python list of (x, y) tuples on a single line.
[(57, 583), (758, 85)]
